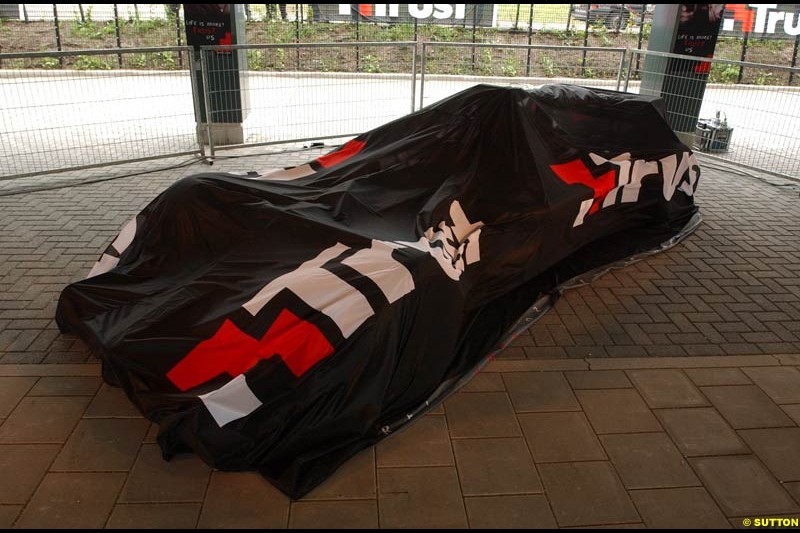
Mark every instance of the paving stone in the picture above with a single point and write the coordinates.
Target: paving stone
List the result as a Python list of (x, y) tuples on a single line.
[(746, 407), (8, 514), (617, 411), (778, 448), (334, 515), (42, 420), (782, 384), (485, 382), (495, 466), (154, 516), (509, 512), (717, 376), (793, 411), (481, 414), (560, 437), (666, 388), (104, 445), (425, 442), (66, 386), (586, 494), (12, 390), (701, 431), (598, 379), (420, 498), (22, 467), (540, 391), (237, 500), (152, 479), (679, 508), (355, 479), (794, 490), (648, 460), (742, 486), (111, 402), (73, 500)]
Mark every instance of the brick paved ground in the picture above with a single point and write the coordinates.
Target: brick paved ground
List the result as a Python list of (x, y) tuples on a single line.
[(602, 414)]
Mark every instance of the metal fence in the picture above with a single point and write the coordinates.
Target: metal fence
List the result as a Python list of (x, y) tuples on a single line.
[(53, 119), (294, 92), (78, 109), (759, 124), (447, 68)]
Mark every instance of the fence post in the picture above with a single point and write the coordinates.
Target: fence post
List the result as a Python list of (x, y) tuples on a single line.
[(530, 37), (744, 55), (474, 24), (414, 77), (794, 58), (516, 20), (80, 8), (116, 31), (422, 75), (621, 66), (297, 32), (207, 100), (196, 98), (585, 39), (569, 17), (641, 33), (25, 13), (58, 34), (178, 38), (358, 50), (630, 68)]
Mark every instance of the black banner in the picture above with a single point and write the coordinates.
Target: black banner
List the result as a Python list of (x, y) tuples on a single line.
[(284, 323), (208, 24)]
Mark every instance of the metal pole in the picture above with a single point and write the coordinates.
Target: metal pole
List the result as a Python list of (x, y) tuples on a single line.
[(80, 8), (794, 58), (25, 13), (416, 34), (297, 32), (641, 34), (619, 69), (413, 78), (743, 57), (207, 99), (516, 20), (179, 38), (422, 76), (569, 17), (358, 54), (474, 23), (195, 97), (58, 34), (530, 36), (116, 31), (630, 68), (585, 39)]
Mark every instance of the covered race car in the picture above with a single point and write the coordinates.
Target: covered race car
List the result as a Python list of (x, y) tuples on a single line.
[(284, 323)]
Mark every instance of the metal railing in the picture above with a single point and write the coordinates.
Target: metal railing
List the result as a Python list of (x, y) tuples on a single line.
[(759, 124), (291, 93), (112, 106), (100, 111), (447, 68)]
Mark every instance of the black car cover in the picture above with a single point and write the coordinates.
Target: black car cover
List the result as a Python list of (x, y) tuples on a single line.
[(286, 322)]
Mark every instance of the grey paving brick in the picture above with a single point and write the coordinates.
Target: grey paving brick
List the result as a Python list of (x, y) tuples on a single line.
[(598, 379), (495, 466), (540, 391), (782, 384), (666, 388), (12, 389), (8, 515), (22, 468), (746, 407), (778, 448), (334, 515), (152, 479), (425, 442), (701, 432), (103, 445), (420, 498), (355, 479), (73, 500), (481, 414), (509, 512), (560, 437), (648, 460), (42, 420), (154, 516), (243, 500), (617, 411), (679, 508), (717, 376)]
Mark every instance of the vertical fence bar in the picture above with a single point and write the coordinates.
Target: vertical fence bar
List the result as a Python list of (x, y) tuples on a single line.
[(196, 98), (794, 58), (630, 68), (207, 99), (25, 13), (474, 24), (297, 32), (620, 67), (80, 9), (569, 17), (416, 34), (422, 75), (641, 34), (516, 20), (742, 58), (117, 33), (178, 37), (58, 34), (585, 39), (530, 37), (413, 77), (358, 51)]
